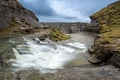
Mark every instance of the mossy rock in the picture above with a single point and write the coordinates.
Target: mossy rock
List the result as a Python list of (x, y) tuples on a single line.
[(109, 21), (108, 44), (16, 28), (106, 41), (57, 35), (109, 15), (112, 32), (104, 29)]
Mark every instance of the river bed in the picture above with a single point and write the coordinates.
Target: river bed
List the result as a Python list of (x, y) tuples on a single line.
[(47, 56), (41, 60)]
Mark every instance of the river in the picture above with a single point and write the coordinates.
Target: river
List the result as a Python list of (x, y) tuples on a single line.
[(47, 60), (48, 56)]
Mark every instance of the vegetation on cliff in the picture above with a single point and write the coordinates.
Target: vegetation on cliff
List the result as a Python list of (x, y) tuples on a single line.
[(57, 35), (109, 20), (15, 19), (107, 45)]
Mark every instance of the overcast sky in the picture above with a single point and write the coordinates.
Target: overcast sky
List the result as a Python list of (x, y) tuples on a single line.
[(64, 10)]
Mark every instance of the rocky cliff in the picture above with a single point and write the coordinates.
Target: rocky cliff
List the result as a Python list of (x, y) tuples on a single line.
[(107, 46), (66, 27), (14, 18), (72, 27)]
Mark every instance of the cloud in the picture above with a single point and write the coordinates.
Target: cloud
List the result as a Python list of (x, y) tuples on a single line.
[(39, 7), (65, 10)]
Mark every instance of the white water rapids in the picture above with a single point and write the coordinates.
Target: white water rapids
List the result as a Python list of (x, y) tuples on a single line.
[(46, 56)]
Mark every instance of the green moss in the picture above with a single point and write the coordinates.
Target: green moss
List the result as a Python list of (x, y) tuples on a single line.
[(57, 35), (106, 40), (108, 15), (104, 29), (113, 33), (109, 22), (13, 27), (118, 45)]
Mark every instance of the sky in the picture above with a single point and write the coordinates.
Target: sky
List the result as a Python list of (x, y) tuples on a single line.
[(65, 10)]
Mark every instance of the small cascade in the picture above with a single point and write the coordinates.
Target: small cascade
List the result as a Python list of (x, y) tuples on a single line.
[(46, 55)]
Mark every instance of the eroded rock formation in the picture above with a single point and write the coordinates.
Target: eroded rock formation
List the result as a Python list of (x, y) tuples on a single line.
[(107, 45), (15, 18)]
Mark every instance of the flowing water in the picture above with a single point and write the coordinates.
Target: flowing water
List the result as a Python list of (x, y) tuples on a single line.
[(47, 56), (47, 60)]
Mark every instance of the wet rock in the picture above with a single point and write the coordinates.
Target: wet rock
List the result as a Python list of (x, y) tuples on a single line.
[(5, 57), (94, 60), (92, 73), (7, 76), (28, 74), (114, 60), (6, 53)]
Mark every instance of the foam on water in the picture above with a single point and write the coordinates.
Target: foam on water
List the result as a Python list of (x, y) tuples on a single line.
[(46, 56)]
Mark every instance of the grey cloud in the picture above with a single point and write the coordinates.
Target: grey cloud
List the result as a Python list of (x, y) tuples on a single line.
[(39, 7), (65, 10)]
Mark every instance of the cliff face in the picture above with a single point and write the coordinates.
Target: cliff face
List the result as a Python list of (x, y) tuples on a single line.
[(107, 45), (15, 18), (67, 27)]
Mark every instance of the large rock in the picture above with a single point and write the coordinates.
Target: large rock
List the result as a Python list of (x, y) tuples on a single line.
[(15, 17), (81, 73), (107, 45), (6, 54)]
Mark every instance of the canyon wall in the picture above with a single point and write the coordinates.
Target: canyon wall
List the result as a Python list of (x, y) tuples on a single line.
[(14, 17), (66, 27), (72, 27), (107, 45)]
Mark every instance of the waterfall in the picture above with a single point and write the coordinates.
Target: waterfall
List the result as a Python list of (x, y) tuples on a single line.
[(46, 56)]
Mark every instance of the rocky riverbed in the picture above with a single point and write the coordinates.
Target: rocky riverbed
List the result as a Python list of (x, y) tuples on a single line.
[(77, 69)]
